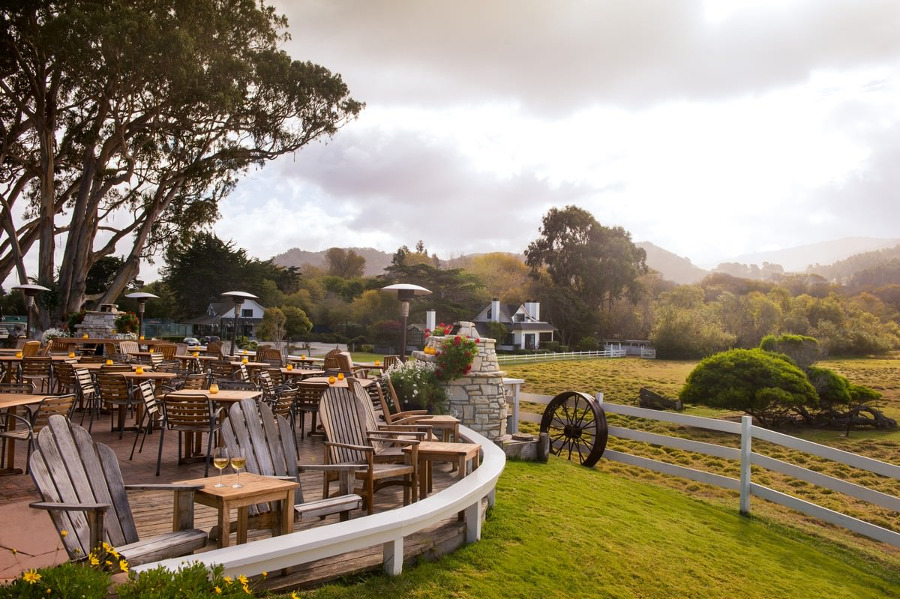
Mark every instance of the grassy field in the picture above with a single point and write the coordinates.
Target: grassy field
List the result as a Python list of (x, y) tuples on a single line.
[(559, 530), (620, 380)]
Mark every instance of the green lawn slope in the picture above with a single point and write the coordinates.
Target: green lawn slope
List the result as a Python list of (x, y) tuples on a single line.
[(561, 530)]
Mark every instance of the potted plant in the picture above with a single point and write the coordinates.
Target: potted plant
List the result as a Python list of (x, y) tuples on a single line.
[(418, 387)]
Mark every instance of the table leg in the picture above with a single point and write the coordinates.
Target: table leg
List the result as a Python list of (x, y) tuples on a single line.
[(225, 524), (242, 523), (287, 513), (11, 447)]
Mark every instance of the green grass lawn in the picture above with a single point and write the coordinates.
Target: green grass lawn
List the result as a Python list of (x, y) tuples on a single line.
[(560, 530)]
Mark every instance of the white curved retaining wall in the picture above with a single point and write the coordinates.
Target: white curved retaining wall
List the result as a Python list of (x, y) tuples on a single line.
[(387, 529)]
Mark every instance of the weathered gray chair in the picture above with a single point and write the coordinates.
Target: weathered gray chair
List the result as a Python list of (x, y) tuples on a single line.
[(269, 445), (82, 489)]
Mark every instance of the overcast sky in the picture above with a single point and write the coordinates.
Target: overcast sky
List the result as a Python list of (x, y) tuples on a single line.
[(710, 128)]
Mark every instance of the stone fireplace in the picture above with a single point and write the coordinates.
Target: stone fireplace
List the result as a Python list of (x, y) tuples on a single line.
[(100, 324), (478, 399)]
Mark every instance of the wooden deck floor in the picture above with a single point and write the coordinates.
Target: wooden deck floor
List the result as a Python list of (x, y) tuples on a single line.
[(152, 510)]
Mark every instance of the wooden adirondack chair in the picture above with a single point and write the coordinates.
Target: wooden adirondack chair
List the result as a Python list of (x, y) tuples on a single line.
[(269, 445), (351, 443), (82, 488)]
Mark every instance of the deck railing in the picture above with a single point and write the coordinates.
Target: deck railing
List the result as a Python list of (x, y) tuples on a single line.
[(387, 529), (748, 458)]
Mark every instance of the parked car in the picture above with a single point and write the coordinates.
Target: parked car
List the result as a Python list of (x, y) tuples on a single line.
[(210, 339), (191, 341)]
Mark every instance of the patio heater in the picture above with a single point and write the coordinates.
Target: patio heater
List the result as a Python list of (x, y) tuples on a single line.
[(405, 293), (141, 297), (238, 298), (30, 290)]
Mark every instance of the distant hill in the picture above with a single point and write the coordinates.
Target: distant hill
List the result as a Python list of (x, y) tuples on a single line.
[(870, 268), (671, 266), (798, 259), (376, 260)]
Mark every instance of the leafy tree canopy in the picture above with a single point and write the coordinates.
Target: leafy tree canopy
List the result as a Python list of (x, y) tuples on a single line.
[(346, 264), (135, 119)]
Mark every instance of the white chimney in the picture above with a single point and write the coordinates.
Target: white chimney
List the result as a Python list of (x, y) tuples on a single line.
[(495, 310), (430, 320), (533, 307)]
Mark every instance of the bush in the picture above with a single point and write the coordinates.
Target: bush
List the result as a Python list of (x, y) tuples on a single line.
[(587, 344), (767, 386), (418, 387), (552, 346), (454, 357), (192, 580), (69, 579)]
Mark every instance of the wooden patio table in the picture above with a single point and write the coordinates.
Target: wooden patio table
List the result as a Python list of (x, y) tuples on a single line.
[(302, 373), (11, 402), (459, 454), (255, 489), (338, 382), (225, 396)]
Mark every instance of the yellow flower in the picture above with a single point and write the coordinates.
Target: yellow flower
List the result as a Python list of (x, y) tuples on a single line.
[(242, 579), (246, 589), (123, 565), (31, 577), (264, 574), (294, 595), (218, 590), (227, 579), (63, 533), (94, 560)]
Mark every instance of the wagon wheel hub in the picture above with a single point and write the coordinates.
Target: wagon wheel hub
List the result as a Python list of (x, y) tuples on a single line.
[(573, 432)]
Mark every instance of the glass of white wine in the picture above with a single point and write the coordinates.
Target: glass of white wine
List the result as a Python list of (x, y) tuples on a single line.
[(238, 459), (220, 461)]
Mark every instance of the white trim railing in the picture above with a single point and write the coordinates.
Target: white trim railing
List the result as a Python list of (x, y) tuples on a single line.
[(387, 529), (747, 431), (612, 352)]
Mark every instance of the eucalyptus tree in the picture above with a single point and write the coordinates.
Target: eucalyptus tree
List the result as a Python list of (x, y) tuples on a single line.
[(127, 121)]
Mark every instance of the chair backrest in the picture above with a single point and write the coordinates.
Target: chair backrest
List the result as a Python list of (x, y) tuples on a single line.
[(214, 349), (309, 393), (181, 349), (282, 401), (26, 388), (30, 348), (128, 347), (54, 404), (36, 366), (270, 355), (112, 386), (344, 420), (107, 368), (195, 381), (331, 362), (188, 412), (166, 350), (68, 467), (363, 396), (152, 404), (345, 363), (265, 381), (58, 346), (389, 361), (237, 385), (65, 376), (267, 440), (221, 369), (395, 401), (85, 382)]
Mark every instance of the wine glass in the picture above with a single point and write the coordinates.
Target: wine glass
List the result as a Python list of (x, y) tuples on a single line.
[(220, 461), (237, 462)]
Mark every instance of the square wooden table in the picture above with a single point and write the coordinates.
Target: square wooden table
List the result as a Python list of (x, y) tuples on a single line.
[(255, 489), (460, 454), (225, 396), (446, 424)]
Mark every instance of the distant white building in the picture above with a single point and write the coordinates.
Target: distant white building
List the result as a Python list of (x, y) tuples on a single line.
[(219, 318), (525, 329)]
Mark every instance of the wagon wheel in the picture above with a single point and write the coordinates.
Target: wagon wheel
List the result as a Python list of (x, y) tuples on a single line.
[(575, 423)]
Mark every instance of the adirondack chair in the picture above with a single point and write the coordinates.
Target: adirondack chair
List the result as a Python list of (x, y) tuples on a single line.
[(350, 442), (82, 489), (269, 445)]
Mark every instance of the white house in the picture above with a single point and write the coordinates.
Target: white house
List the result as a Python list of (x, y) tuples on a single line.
[(525, 329), (220, 316)]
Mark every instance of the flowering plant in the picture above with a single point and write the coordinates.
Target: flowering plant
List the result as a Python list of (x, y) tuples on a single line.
[(418, 386), (454, 357), (440, 330), (127, 322), (52, 334)]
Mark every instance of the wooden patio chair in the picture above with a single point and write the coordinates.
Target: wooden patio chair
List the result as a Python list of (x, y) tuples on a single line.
[(38, 370), (351, 443), (330, 363), (189, 414), (82, 489), (390, 360), (152, 414), (268, 443), (308, 396), (397, 412), (88, 395), (30, 348), (166, 350), (115, 395), (64, 376), (36, 419), (269, 354)]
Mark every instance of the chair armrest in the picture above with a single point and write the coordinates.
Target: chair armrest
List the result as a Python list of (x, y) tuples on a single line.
[(366, 448), (409, 413), (330, 467), (162, 487), (51, 506), (391, 439)]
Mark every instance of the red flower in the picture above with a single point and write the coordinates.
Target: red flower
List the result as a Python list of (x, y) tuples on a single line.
[(457, 340)]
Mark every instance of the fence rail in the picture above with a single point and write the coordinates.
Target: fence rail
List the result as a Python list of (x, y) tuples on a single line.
[(553, 356), (747, 431)]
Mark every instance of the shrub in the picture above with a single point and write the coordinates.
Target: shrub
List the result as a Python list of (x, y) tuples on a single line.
[(587, 344), (192, 580), (127, 322), (70, 579), (767, 386)]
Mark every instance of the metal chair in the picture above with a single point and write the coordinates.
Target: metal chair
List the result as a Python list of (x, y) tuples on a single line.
[(37, 418)]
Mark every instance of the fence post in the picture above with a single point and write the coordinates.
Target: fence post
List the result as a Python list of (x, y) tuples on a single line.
[(746, 437)]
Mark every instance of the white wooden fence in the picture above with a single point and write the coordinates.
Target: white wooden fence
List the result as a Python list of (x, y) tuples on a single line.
[(748, 458), (387, 529), (612, 352)]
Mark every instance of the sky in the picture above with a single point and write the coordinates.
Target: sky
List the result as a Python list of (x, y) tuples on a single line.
[(709, 128)]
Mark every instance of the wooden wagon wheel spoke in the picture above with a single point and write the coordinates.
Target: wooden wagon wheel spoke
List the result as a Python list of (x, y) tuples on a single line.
[(575, 423)]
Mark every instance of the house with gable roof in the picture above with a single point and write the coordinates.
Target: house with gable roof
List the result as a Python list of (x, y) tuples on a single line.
[(525, 329), (219, 318)]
